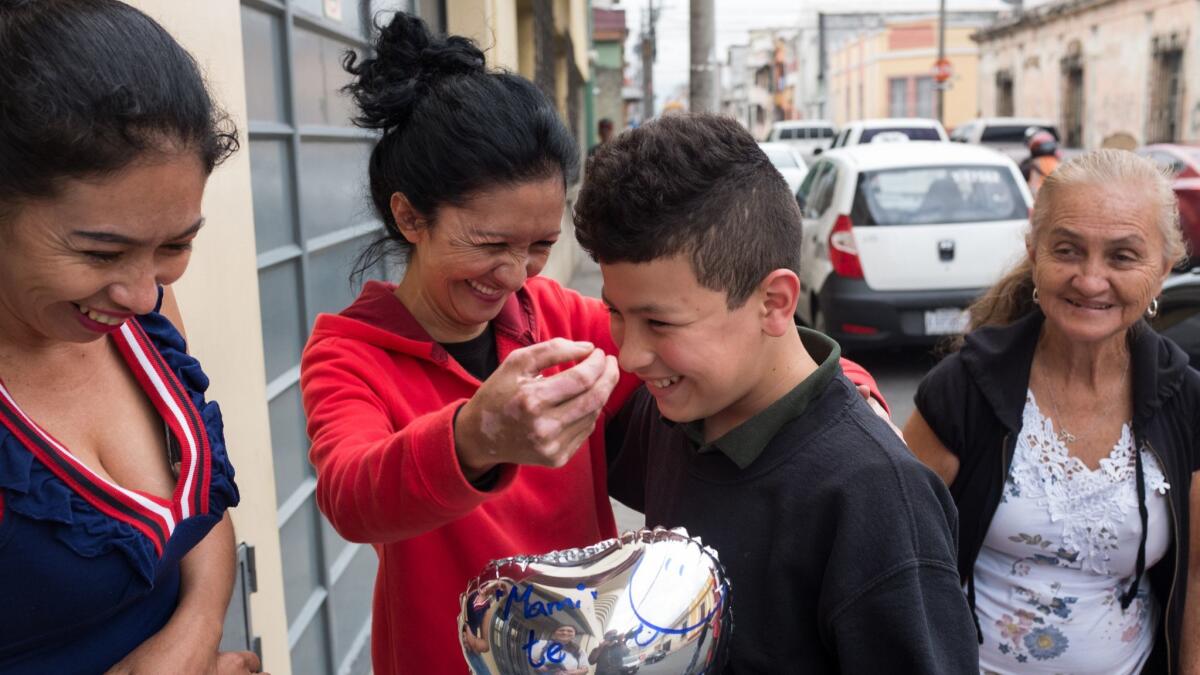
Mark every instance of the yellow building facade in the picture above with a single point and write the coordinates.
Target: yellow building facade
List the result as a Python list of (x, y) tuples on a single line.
[(285, 217), (889, 73)]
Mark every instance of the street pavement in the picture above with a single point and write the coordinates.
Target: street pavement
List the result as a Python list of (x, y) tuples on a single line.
[(897, 371)]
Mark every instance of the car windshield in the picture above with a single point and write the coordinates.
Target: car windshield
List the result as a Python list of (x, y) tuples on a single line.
[(913, 133), (1003, 134), (938, 194), (805, 132), (782, 159), (1011, 133)]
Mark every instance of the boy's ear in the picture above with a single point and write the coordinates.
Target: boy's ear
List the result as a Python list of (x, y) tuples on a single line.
[(778, 293), (410, 223)]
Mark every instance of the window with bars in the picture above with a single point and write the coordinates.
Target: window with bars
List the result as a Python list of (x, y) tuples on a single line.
[(911, 96), (898, 97), (1004, 94), (1073, 101), (1166, 96), (926, 97)]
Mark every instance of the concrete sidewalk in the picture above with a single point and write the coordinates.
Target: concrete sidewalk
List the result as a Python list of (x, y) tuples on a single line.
[(587, 281)]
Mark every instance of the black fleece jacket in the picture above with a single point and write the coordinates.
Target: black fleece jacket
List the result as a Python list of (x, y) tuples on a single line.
[(839, 545), (973, 401)]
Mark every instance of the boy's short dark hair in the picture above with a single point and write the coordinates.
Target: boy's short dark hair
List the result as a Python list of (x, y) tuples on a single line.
[(696, 184)]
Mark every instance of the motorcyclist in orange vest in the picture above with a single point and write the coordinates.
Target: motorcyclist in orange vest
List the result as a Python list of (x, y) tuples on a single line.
[(1044, 158)]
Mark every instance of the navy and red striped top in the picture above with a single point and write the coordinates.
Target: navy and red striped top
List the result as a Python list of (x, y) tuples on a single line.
[(90, 569)]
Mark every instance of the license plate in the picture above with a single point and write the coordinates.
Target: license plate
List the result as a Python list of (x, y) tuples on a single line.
[(946, 321)]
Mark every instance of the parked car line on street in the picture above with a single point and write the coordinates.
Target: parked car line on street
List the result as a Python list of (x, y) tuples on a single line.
[(865, 131), (788, 161), (806, 136)]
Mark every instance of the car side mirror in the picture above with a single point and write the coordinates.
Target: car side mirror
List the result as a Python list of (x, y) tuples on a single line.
[(800, 202), (817, 151)]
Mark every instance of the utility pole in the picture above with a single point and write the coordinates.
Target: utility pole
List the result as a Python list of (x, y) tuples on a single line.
[(701, 79), (941, 86), (822, 66), (649, 50)]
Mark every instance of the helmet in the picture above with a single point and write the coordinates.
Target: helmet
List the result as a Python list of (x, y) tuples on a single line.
[(1042, 144)]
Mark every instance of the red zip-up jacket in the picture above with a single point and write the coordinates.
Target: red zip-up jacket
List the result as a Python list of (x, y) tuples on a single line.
[(380, 396)]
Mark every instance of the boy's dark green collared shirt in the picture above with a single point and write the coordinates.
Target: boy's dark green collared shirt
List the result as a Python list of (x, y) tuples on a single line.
[(745, 442)]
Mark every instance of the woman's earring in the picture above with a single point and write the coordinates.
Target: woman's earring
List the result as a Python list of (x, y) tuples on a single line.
[(1152, 310), (1035, 295)]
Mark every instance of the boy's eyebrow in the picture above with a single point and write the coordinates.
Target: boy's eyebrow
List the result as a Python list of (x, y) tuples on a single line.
[(648, 308)]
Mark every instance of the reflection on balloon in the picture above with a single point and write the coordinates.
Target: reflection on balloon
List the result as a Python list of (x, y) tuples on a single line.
[(652, 601)]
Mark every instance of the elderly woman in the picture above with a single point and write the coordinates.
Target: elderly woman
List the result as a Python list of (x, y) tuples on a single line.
[(115, 548), (1067, 431), (447, 428)]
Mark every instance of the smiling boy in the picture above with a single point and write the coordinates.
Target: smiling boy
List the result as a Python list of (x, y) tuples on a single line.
[(839, 545)]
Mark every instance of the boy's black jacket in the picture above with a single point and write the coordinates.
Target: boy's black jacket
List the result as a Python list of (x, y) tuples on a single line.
[(839, 544)]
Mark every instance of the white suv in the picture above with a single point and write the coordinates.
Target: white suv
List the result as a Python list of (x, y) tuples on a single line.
[(889, 129), (806, 136), (900, 237)]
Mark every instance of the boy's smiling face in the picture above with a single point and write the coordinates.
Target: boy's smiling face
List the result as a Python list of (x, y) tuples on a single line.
[(698, 358)]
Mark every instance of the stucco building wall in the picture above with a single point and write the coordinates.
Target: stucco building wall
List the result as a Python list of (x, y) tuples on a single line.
[(1115, 43)]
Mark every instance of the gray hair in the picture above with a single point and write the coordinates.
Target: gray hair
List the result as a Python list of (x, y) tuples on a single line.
[(1119, 168)]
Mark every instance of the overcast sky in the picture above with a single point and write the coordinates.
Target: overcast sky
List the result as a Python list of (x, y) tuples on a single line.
[(736, 17)]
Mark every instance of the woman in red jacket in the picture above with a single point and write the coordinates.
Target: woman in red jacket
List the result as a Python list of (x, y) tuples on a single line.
[(448, 425)]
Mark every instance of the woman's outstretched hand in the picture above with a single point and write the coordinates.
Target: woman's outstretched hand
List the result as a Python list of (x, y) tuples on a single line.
[(520, 417)]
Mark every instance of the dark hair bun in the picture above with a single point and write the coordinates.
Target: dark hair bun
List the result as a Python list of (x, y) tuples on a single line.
[(451, 127), (409, 61)]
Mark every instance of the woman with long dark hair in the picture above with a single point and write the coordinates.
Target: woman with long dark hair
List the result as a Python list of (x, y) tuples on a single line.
[(443, 415)]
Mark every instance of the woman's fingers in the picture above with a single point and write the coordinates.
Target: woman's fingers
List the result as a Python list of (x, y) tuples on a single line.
[(577, 418), (533, 359), (571, 440), (865, 392), (521, 419), (591, 399), (573, 381)]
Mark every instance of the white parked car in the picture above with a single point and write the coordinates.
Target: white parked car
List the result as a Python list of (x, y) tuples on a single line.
[(807, 136), (887, 129), (900, 237), (788, 161), (1006, 134)]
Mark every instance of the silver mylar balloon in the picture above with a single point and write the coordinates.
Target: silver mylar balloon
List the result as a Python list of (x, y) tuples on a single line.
[(652, 601)]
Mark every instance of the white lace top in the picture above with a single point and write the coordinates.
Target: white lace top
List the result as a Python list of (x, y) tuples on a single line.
[(1060, 551)]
